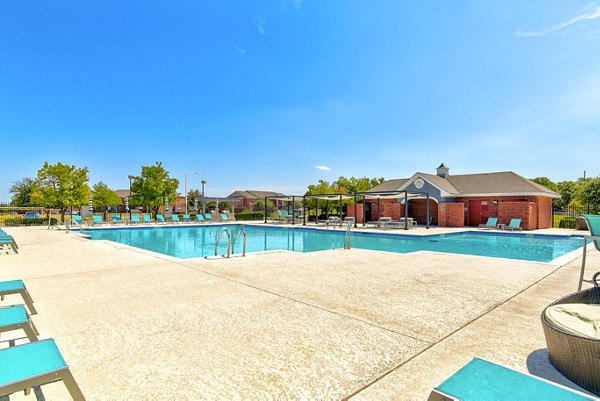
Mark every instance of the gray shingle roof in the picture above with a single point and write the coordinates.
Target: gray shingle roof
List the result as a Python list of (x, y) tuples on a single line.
[(389, 185), (506, 182), (440, 182), (253, 194), (501, 182), (122, 193)]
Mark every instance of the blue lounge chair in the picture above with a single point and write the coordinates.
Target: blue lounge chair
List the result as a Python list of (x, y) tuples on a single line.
[(77, 220), (146, 218), (208, 217), (484, 380), (224, 217), (34, 364), (135, 219), (514, 225), (16, 318), (97, 220), (116, 219), (17, 287), (175, 218), (200, 218), (490, 225), (160, 218), (186, 218), (593, 223)]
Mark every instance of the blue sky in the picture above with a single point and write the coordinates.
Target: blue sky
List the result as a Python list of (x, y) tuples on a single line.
[(279, 94)]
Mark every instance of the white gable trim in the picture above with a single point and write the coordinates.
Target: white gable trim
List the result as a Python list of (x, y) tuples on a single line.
[(443, 192)]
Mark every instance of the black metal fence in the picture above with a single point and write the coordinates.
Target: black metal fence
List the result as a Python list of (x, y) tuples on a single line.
[(568, 217), (26, 216)]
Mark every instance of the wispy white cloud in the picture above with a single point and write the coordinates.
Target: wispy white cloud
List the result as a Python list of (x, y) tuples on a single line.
[(591, 13), (240, 50), (260, 24), (323, 168)]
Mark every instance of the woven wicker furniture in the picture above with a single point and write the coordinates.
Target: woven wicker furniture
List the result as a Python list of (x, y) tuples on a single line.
[(576, 357)]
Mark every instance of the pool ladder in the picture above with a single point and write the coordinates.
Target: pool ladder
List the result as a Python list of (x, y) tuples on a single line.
[(230, 245), (348, 237)]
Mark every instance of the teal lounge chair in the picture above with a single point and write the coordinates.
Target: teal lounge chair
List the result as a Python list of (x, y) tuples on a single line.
[(135, 219), (160, 218), (7, 240), (17, 287), (281, 216), (77, 220), (146, 218), (175, 218), (484, 380), (490, 225), (200, 218), (208, 217), (34, 364), (186, 218), (116, 219), (97, 220), (224, 217), (593, 223), (514, 225), (16, 318)]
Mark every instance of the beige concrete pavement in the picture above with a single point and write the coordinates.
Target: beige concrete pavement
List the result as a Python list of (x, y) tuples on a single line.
[(323, 325)]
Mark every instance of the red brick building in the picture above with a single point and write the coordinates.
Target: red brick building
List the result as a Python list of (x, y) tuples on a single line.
[(466, 200), (245, 199)]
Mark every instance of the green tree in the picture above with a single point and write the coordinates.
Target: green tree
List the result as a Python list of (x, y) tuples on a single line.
[(194, 194), (590, 192), (341, 185), (546, 182), (21, 191), (353, 185), (259, 206), (222, 205), (569, 191), (153, 186), (104, 196), (225, 205), (61, 186)]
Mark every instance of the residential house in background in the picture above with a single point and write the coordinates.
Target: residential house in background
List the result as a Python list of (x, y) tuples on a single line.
[(246, 199)]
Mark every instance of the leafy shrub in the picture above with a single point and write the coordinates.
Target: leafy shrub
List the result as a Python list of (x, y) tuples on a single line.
[(250, 216), (566, 223), (13, 222)]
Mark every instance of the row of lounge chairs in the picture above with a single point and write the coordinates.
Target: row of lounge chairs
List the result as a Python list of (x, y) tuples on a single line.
[(492, 224), (31, 364), (160, 219), (7, 241), (388, 222)]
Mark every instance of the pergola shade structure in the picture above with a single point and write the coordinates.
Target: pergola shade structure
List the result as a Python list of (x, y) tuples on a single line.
[(403, 196)]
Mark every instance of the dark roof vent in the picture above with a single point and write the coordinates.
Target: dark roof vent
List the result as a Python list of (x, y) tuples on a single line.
[(443, 171)]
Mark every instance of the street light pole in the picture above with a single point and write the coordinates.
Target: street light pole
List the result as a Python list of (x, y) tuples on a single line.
[(131, 177), (186, 192), (203, 201)]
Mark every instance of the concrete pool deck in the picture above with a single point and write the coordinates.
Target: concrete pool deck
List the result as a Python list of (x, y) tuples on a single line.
[(325, 325)]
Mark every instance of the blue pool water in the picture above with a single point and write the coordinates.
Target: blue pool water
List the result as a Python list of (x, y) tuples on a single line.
[(199, 241)]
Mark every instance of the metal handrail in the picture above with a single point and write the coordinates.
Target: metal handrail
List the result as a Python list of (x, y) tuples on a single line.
[(348, 237), (241, 230), (225, 231)]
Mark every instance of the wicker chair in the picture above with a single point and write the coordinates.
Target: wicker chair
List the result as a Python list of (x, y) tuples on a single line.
[(576, 357)]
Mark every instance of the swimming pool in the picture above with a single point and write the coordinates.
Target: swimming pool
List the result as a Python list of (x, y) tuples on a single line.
[(199, 241)]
